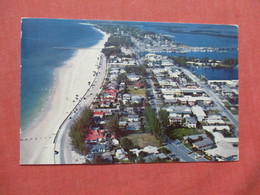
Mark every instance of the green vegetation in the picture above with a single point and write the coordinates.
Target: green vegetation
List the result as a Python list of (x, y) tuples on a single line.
[(233, 110), (226, 63), (78, 131), (140, 70), (213, 111), (230, 61), (181, 60), (113, 126), (164, 118), (97, 159), (143, 139), (141, 92), (111, 51), (152, 122), (126, 143), (179, 133), (122, 77), (115, 43), (119, 41)]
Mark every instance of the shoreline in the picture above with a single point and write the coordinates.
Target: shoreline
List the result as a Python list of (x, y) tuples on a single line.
[(36, 142)]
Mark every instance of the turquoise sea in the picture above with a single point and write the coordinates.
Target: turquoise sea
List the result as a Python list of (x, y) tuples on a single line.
[(39, 58)]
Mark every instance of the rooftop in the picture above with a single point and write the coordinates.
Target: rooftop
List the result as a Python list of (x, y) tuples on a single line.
[(198, 111)]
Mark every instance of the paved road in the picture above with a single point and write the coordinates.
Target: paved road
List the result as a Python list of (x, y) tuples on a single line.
[(214, 97), (153, 101), (63, 146), (183, 153)]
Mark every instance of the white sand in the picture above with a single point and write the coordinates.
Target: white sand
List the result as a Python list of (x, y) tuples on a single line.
[(71, 79)]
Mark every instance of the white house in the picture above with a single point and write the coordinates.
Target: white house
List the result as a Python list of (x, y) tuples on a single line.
[(190, 122), (199, 112), (133, 77)]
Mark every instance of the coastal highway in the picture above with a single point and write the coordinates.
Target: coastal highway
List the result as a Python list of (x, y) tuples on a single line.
[(62, 141), (214, 97)]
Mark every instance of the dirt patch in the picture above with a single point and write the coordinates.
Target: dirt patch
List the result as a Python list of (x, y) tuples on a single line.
[(144, 139)]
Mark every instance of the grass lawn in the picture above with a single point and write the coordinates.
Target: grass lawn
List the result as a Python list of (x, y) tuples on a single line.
[(137, 91), (124, 161), (233, 110), (179, 133), (144, 139)]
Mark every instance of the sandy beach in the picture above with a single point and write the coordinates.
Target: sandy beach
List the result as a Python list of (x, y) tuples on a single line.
[(70, 84)]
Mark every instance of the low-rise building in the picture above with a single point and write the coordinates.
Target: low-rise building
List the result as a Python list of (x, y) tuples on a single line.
[(133, 77), (133, 126), (172, 91), (199, 112), (98, 148), (95, 136), (224, 151), (200, 141), (133, 118), (213, 128), (190, 122)]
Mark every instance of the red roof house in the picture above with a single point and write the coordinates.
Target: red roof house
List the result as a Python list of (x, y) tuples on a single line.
[(100, 114), (112, 91), (94, 136), (138, 85)]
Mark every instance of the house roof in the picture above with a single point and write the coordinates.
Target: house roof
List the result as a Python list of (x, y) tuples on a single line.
[(219, 137), (112, 91), (99, 113), (214, 117), (138, 85), (214, 121), (93, 135), (204, 143), (191, 120), (133, 116), (198, 111), (97, 148), (216, 127), (150, 149), (133, 126), (224, 150), (195, 137), (161, 156)]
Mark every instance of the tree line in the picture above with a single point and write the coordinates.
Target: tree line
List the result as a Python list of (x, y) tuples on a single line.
[(79, 129)]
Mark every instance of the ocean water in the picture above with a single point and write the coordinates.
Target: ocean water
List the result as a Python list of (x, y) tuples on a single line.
[(216, 73), (201, 35), (39, 58)]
